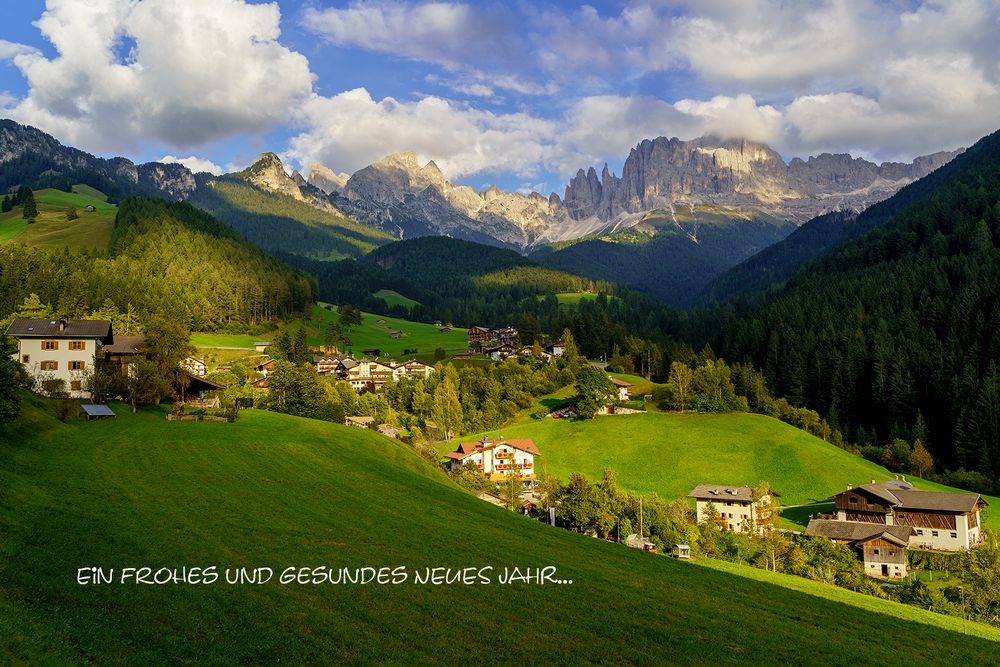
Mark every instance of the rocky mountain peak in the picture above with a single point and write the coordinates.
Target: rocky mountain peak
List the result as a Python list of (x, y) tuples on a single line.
[(268, 173), (327, 179)]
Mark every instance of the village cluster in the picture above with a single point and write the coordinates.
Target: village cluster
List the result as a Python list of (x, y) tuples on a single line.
[(879, 520)]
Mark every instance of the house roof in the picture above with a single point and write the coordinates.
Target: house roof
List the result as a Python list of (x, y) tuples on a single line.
[(723, 492), (904, 496), (360, 420), (467, 448), (128, 345), (261, 342), (620, 383), (859, 532), (49, 328)]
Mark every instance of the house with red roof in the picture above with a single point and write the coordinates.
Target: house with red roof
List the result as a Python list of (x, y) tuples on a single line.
[(499, 459)]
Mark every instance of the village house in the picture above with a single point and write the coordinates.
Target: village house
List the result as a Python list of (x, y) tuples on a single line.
[(556, 349), (60, 349), (124, 350), (881, 548), (528, 350), (327, 365), (360, 422), (943, 521), (194, 366), (498, 352), (499, 459), (479, 336), (735, 506), (266, 366), (622, 388), (366, 374)]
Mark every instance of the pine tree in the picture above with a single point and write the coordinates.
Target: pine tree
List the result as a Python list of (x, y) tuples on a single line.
[(30, 209)]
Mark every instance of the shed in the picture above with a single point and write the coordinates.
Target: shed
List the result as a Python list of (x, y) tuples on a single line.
[(682, 551), (261, 345), (94, 411)]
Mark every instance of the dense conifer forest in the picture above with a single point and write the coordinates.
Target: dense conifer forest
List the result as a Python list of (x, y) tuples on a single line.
[(166, 259), (897, 333)]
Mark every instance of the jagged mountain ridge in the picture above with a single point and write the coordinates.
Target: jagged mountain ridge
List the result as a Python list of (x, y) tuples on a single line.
[(661, 173), (406, 199)]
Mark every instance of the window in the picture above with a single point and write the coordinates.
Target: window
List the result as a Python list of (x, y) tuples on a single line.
[(876, 552), (76, 385), (934, 533), (919, 532), (49, 366), (76, 365), (892, 553), (854, 500), (954, 536), (77, 345), (25, 358), (50, 345)]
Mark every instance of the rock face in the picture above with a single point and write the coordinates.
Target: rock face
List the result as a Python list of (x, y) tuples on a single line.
[(268, 173), (406, 199), (174, 180), (326, 179), (660, 173), (41, 154)]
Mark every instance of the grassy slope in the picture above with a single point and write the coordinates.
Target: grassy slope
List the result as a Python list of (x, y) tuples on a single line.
[(670, 454), (393, 298), (424, 338), (51, 228), (279, 491)]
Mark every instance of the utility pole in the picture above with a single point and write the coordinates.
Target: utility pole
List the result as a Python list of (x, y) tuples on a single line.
[(640, 517)]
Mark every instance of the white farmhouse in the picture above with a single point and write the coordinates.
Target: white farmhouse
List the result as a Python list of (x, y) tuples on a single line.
[(60, 349), (736, 507), (499, 459)]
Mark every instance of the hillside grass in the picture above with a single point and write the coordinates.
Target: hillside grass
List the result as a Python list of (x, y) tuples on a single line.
[(393, 298), (51, 228), (424, 338), (278, 491), (670, 453)]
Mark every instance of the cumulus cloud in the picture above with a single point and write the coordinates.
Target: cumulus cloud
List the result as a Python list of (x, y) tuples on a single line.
[(10, 49), (180, 72), (195, 164), (351, 130)]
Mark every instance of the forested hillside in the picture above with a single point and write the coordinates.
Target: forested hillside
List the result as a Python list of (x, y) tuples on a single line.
[(279, 223), (897, 333), (166, 258), (676, 263), (771, 267)]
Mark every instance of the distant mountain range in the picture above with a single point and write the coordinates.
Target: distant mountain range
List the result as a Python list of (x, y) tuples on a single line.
[(680, 214)]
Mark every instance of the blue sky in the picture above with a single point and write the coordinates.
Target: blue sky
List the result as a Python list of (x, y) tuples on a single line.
[(520, 94)]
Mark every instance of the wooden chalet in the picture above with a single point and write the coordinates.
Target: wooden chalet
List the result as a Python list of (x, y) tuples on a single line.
[(943, 521), (881, 548)]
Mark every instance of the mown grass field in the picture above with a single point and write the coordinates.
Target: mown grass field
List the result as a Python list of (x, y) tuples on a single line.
[(393, 298), (278, 491), (670, 453), (372, 333), (51, 228)]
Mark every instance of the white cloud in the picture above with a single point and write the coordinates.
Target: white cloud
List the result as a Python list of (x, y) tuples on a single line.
[(447, 33), (10, 49), (194, 72), (195, 164), (351, 130)]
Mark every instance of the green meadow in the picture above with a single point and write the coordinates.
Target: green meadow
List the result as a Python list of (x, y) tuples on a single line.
[(375, 331), (277, 491), (670, 453), (92, 229), (393, 298)]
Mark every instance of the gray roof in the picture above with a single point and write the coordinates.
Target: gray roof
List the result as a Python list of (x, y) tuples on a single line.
[(93, 410), (49, 328), (858, 531), (904, 496), (127, 345), (723, 492)]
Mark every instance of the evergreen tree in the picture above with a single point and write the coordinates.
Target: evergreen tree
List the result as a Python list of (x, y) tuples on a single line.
[(30, 209)]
